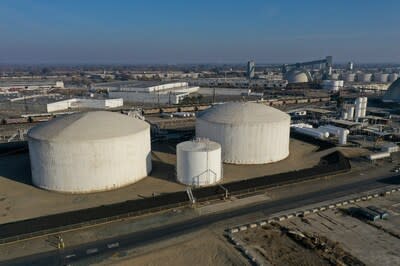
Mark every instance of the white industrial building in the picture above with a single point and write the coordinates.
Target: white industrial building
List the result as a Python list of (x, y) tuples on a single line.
[(199, 162), (88, 152), (249, 133), (76, 103), (30, 85), (240, 82), (169, 93)]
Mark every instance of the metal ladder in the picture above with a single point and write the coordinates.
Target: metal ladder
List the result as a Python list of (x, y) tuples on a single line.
[(190, 195)]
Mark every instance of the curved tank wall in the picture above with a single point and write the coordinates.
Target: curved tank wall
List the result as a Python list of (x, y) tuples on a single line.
[(349, 77), (199, 162), (364, 77), (249, 133), (381, 77), (393, 77), (88, 152)]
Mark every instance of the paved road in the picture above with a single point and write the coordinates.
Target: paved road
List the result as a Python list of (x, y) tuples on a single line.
[(74, 254)]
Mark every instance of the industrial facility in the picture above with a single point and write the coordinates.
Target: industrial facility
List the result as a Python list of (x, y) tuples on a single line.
[(191, 143), (89, 151), (154, 93), (76, 103), (249, 133)]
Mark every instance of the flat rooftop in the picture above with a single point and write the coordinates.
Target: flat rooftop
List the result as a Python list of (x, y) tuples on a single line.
[(132, 83)]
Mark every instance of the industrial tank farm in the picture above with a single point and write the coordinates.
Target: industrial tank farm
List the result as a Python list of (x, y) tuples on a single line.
[(199, 162), (88, 152), (249, 133)]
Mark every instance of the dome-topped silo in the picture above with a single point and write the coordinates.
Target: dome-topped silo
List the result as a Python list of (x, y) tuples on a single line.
[(298, 75), (90, 151), (249, 133)]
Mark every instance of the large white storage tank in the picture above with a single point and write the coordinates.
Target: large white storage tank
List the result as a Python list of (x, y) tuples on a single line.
[(393, 77), (349, 77), (364, 77), (381, 77), (198, 162), (249, 133), (88, 152)]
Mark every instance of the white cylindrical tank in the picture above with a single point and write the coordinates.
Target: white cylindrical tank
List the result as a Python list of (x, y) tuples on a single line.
[(381, 77), (319, 134), (349, 77), (249, 133), (199, 162), (341, 133), (364, 77), (358, 108), (350, 112), (343, 136), (90, 151), (393, 77), (364, 106)]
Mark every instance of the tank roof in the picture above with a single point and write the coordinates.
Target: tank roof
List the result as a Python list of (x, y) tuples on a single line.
[(243, 113), (199, 145), (87, 126), (298, 75)]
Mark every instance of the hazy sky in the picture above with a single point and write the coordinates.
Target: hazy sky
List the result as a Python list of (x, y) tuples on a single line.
[(198, 31)]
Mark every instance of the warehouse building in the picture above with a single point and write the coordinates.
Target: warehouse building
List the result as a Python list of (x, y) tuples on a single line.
[(165, 93), (30, 85), (76, 103)]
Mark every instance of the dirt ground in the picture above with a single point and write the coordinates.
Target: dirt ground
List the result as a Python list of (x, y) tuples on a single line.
[(331, 237), (273, 247), (204, 248), (19, 199)]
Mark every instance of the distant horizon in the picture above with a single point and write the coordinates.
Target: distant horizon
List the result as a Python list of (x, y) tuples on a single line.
[(261, 64), (180, 32)]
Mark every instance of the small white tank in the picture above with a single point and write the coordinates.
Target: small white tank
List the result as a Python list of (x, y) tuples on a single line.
[(350, 112), (199, 162)]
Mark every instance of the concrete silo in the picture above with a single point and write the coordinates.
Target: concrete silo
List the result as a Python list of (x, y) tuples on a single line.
[(249, 133), (90, 151), (199, 162)]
